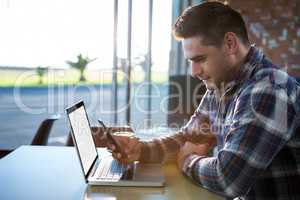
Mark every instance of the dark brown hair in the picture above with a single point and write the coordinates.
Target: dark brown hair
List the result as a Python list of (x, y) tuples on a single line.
[(210, 20)]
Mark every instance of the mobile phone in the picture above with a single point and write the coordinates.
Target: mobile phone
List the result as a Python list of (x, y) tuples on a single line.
[(112, 140)]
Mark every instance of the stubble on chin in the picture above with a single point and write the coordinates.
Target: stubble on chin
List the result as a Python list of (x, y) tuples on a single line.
[(209, 85)]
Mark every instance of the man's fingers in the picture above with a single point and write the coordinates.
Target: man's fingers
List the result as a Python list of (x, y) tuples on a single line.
[(111, 146), (102, 137), (116, 155), (128, 145)]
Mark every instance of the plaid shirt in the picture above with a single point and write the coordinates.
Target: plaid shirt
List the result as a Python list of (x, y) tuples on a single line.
[(256, 122)]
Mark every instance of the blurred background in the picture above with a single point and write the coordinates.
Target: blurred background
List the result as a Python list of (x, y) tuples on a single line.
[(119, 57)]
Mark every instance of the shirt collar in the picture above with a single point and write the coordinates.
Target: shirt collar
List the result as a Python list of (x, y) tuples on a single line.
[(252, 61)]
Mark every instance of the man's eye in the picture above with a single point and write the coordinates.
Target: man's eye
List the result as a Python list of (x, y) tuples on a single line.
[(197, 60)]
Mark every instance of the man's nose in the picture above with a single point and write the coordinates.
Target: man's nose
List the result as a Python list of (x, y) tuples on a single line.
[(197, 70)]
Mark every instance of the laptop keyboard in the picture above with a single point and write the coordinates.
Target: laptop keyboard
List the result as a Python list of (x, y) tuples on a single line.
[(110, 169)]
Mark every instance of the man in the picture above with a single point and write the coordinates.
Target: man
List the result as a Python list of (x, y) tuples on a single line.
[(250, 111)]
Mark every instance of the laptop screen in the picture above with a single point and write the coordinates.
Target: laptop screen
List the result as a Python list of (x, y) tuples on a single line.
[(82, 135)]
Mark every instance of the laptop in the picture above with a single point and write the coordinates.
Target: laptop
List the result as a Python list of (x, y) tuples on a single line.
[(98, 165)]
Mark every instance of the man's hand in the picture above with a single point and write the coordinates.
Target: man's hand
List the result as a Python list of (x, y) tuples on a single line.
[(190, 148), (131, 146)]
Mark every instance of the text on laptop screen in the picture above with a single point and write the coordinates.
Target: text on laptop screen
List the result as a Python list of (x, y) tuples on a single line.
[(83, 137)]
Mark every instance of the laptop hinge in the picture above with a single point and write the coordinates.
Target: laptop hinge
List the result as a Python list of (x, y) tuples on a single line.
[(93, 168)]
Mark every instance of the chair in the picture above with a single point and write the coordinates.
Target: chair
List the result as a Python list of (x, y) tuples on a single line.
[(42, 134), (69, 141), (4, 152), (186, 93)]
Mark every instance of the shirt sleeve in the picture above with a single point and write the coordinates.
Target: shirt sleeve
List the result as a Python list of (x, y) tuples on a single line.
[(262, 125), (165, 149)]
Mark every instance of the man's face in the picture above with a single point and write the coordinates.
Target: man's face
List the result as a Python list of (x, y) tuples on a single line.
[(209, 63)]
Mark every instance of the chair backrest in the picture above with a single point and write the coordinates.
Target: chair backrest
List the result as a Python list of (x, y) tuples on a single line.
[(42, 134), (4, 152), (69, 141), (186, 93)]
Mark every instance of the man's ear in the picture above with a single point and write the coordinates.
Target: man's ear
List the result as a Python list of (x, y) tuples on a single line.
[(231, 42)]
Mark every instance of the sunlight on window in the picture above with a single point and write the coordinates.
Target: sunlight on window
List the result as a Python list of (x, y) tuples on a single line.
[(49, 32)]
